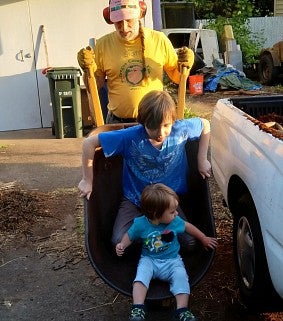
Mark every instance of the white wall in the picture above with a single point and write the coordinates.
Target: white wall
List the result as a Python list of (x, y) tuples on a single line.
[(69, 26), (270, 28)]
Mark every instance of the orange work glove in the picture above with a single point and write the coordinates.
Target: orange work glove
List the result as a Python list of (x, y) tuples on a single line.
[(86, 58)]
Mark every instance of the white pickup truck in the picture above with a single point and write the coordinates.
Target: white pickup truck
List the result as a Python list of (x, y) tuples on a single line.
[(247, 163)]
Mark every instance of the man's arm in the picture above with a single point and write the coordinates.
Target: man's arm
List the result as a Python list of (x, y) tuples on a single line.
[(86, 60), (204, 166), (185, 58), (89, 146)]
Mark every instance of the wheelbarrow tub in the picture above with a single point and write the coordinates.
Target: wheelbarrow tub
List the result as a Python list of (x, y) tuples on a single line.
[(101, 209)]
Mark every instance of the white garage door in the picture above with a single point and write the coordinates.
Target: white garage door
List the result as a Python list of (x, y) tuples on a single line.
[(19, 102)]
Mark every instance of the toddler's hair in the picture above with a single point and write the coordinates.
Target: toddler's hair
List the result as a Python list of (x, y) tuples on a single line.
[(155, 199)]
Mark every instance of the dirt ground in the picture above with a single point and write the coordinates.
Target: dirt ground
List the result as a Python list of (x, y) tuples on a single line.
[(44, 270)]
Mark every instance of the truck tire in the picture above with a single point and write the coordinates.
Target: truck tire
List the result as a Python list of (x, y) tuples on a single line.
[(255, 284), (267, 72)]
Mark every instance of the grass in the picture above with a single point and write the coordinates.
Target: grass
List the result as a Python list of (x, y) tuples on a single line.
[(188, 113), (276, 88), (80, 228)]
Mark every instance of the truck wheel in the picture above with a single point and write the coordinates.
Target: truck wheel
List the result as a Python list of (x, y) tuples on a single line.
[(253, 276), (267, 72)]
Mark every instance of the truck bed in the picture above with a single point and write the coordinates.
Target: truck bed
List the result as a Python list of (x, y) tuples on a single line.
[(262, 110)]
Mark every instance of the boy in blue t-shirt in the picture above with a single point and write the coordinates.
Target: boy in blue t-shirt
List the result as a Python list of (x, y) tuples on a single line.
[(153, 152), (158, 228)]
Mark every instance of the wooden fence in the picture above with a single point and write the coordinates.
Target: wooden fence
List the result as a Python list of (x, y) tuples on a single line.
[(270, 29)]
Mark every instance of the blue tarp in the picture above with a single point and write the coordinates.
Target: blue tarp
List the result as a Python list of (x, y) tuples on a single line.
[(229, 77)]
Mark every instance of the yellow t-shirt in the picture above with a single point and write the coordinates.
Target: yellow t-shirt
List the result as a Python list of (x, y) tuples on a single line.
[(121, 62)]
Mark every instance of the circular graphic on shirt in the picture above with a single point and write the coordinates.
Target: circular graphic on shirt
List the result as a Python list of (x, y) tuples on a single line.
[(133, 72), (157, 241)]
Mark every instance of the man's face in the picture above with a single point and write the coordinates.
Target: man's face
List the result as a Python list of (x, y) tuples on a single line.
[(127, 29)]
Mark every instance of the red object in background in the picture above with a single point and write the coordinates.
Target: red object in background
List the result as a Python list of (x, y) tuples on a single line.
[(44, 71)]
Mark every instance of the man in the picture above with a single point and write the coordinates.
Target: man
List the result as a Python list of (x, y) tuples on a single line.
[(132, 59)]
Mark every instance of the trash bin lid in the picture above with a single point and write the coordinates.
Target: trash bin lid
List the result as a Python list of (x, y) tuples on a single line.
[(63, 73)]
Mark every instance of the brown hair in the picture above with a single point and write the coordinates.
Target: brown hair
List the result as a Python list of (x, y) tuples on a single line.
[(141, 34), (155, 199), (154, 107)]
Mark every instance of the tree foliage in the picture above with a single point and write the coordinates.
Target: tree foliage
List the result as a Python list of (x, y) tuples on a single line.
[(209, 9), (251, 43)]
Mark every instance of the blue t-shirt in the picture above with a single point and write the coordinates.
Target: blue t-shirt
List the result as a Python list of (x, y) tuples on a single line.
[(144, 164), (158, 241)]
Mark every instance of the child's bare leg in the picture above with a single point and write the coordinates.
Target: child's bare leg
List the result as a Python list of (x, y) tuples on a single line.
[(138, 310), (182, 300), (182, 312), (139, 293)]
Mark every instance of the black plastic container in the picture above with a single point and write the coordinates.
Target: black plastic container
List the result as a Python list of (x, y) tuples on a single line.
[(259, 105), (178, 15)]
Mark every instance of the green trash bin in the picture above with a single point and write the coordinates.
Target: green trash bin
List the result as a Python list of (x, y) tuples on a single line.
[(65, 92)]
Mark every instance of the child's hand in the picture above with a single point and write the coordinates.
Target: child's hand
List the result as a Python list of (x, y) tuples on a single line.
[(85, 188), (209, 242), (204, 168), (120, 249)]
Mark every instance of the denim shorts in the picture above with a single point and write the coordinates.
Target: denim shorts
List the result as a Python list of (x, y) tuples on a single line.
[(170, 270)]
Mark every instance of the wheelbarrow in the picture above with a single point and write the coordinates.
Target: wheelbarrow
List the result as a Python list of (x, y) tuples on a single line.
[(102, 207)]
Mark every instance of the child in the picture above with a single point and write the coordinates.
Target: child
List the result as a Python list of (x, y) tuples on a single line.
[(158, 229), (153, 152)]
